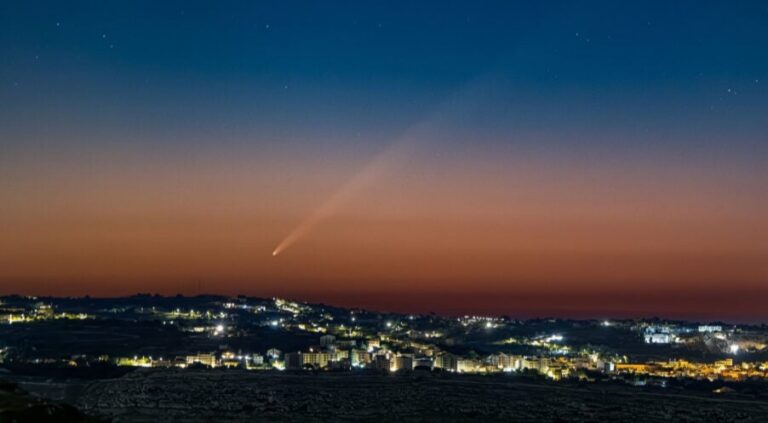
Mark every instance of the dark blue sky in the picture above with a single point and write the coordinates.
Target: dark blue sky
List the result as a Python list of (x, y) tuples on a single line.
[(672, 71)]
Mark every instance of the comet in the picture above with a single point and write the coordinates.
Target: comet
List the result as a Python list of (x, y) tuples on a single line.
[(383, 163)]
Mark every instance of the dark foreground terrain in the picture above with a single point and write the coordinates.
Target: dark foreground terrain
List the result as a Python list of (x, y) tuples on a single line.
[(233, 395), (17, 405)]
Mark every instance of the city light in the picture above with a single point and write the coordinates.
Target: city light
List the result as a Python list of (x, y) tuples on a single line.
[(340, 345)]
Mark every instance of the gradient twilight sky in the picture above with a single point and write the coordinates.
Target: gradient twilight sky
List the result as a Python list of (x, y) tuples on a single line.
[(525, 158)]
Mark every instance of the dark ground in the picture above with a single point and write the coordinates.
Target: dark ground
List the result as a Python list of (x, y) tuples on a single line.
[(233, 395)]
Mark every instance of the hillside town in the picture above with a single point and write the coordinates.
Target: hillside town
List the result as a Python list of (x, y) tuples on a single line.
[(282, 335)]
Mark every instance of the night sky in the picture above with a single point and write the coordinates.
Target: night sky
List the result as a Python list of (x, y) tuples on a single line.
[(522, 158)]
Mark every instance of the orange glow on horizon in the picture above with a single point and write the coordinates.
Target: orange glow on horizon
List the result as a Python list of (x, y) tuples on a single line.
[(501, 225)]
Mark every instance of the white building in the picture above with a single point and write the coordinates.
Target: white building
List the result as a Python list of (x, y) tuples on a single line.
[(658, 338)]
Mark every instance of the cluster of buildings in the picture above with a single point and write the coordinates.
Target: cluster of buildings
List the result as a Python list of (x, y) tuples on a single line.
[(388, 354), (40, 311), (718, 370), (336, 354), (714, 338), (355, 339), (377, 354), (671, 333)]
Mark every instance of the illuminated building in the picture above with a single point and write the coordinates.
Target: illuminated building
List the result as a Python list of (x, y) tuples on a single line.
[(584, 363), (631, 368), (204, 359), (359, 358), (318, 360), (468, 365), (543, 364), (402, 362), (529, 364), (658, 338), (446, 361), (505, 362)]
